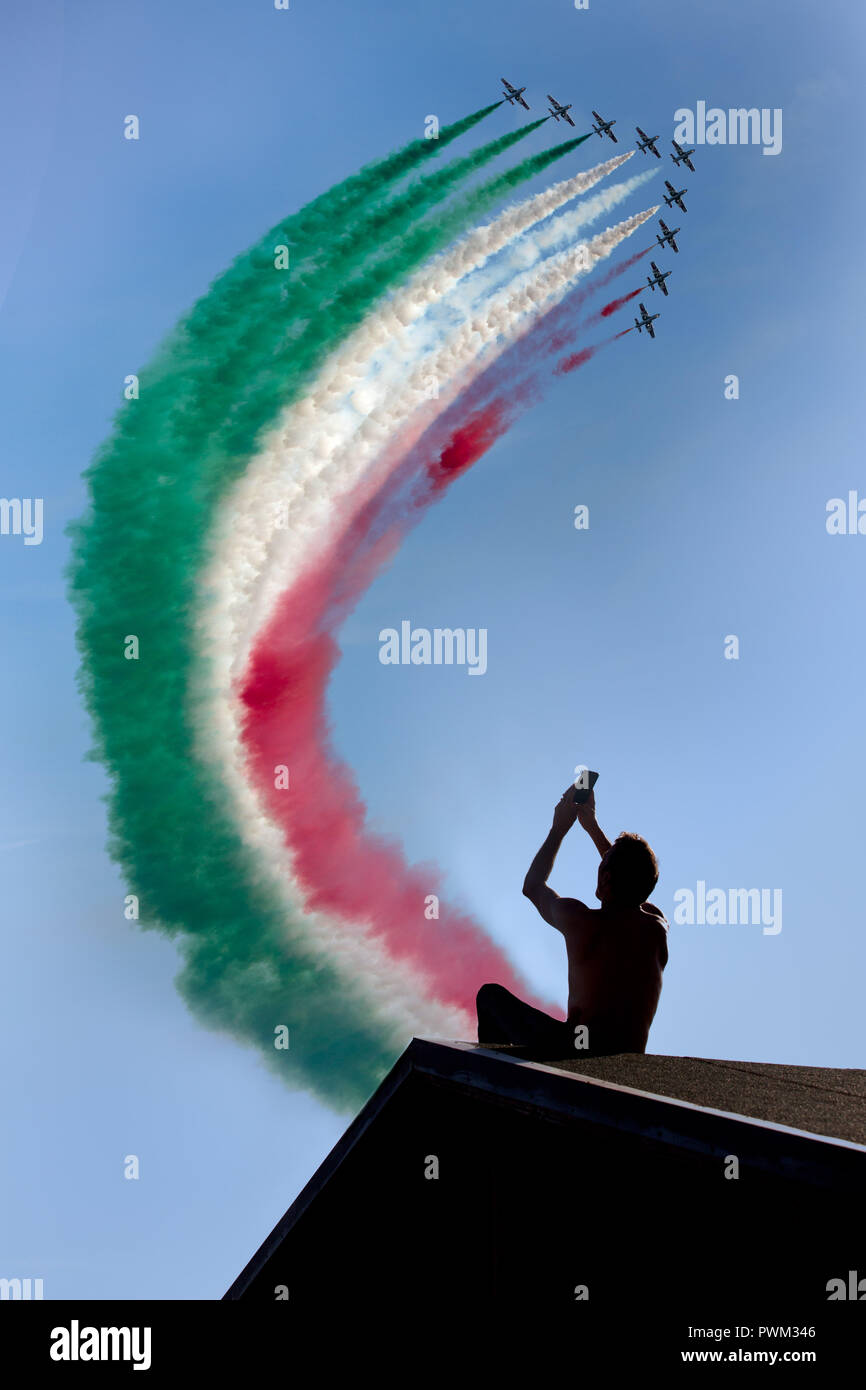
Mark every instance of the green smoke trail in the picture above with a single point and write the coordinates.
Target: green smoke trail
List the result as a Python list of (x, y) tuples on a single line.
[(317, 216), (325, 307), (391, 220), (314, 224), (535, 164), (136, 558), (272, 309), (341, 248)]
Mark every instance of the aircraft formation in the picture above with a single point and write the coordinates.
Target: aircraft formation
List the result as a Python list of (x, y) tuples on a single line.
[(673, 197), (647, 144), (557, 110)]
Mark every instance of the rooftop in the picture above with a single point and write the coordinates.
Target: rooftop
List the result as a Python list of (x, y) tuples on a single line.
[(518, 1134), (820, 1100)]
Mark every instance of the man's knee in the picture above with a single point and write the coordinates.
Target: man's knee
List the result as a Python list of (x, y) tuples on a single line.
[(488, 1006), (488, 995)]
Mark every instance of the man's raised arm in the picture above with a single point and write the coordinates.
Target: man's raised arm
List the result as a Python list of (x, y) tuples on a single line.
[(586, 816), (535, 885)]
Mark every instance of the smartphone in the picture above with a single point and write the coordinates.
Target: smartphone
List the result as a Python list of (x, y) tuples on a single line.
[(588, 780)]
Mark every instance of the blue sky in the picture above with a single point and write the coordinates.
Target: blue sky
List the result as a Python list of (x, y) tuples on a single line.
[(707, 518)]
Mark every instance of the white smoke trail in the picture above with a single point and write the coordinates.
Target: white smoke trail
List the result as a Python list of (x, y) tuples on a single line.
[(435, 279), (255, 574), (526, 250), (358, 378), (378, 372), (236, 576), (324, 413), (411, 319)]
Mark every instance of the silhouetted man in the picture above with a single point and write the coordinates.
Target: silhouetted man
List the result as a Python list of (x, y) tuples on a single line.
[(616, 952)]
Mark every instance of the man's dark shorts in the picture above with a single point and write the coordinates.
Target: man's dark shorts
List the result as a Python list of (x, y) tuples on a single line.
[(503, 1018)]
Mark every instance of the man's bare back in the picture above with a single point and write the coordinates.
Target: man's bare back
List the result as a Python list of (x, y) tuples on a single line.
[(616, 952), (615, 964)]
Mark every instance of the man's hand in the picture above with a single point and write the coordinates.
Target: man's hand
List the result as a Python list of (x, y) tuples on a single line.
[(586, 815), (566, 812), (586, 811), (535, 885)]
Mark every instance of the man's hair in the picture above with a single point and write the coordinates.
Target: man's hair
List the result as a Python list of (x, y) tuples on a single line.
[(633, 869)]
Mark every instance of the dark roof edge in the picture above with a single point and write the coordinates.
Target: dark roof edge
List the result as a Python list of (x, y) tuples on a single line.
[(777, 1148), (810, 1134), (329, 1165)]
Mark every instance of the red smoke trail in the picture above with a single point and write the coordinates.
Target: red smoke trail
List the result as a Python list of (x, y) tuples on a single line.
[(615, 304), (549, 335), (577, 359), (565, 313), (616, 270), (343, 868), (467, 446)]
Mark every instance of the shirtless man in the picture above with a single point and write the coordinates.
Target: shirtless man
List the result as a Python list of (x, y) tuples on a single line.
[(616, 952)]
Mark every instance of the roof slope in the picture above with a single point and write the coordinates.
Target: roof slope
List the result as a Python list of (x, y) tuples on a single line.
[(669, 1122), (820, 1100)]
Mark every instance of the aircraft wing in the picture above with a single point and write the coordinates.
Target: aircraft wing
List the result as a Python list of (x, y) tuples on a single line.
[(524, 104), (655, 268), (688, 163), (643, 135), (663, 227), (568, 118), (650, 330), (506, 83), (612, 136), (552, 100), (598, 118)]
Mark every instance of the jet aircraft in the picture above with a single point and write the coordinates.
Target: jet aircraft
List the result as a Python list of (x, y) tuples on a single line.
[(645, 321), (675, 195), (647, 142), (514, 93), (557, 109), (682, 156), (657, 280), (604, 127), (668, 238)]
